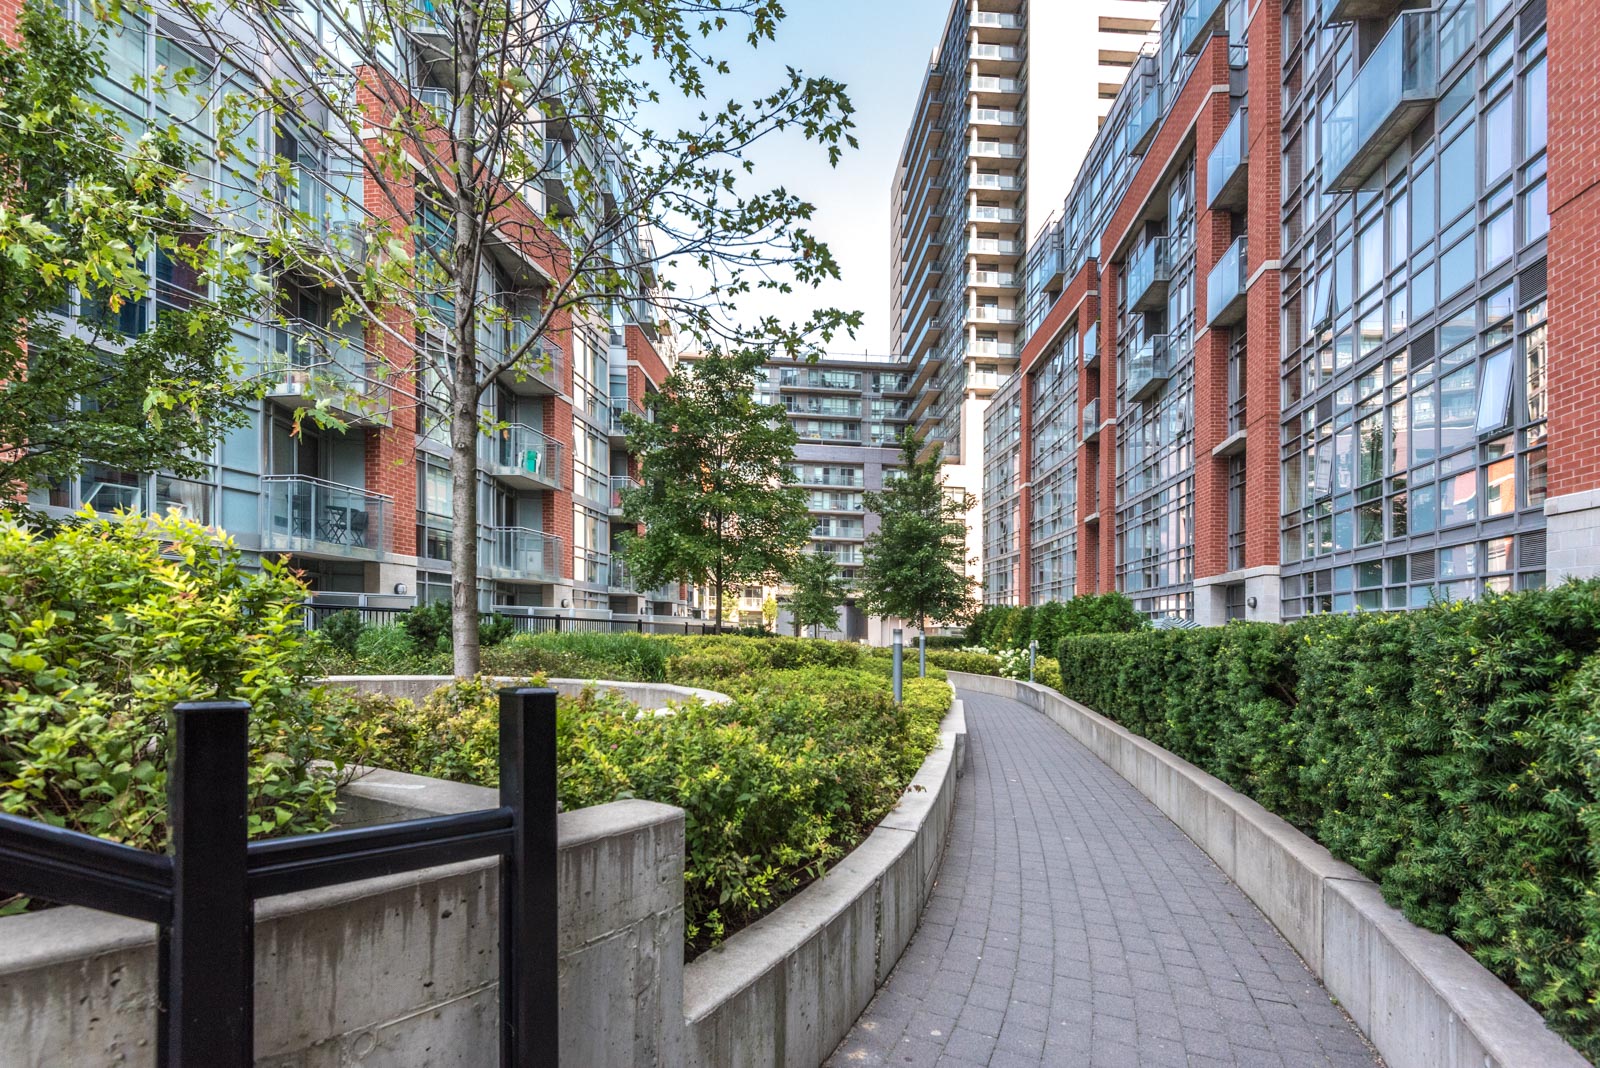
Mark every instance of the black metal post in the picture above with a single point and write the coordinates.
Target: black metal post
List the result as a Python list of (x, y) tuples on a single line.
[(529, 998), (207, 957)]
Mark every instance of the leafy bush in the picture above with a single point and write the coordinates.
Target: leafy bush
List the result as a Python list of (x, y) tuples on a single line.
[(387, 650), (343, 630), (777, 785), (1451, 754), (107, 622), (1011, 627), (429, 626)]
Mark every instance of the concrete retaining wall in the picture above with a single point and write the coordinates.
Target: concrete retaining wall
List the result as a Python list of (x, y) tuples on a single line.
[(647, 695), (401, 971), (1421, 999)]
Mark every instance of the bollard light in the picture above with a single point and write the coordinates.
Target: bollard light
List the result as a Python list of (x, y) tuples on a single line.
[(1033, 654), (899, 652), (922, 656)]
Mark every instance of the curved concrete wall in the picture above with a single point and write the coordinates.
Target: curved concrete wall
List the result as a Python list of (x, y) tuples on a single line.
[(401, 971), (1421, 999), (647, 695)]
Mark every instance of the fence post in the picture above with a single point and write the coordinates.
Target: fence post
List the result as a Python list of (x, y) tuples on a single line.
[(529, 998), (207, 955)]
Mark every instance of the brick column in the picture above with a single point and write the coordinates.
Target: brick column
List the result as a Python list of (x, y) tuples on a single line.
[(1025, 492), (1104, 450), (1213, 235), (1573, 507)]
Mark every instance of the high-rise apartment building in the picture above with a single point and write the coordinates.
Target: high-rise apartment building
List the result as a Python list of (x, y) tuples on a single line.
[(1314, 331), (849, 412), (363, 511), (991, 132)]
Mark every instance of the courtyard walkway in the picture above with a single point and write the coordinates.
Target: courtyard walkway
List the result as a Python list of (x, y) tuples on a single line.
[(1075, 925)]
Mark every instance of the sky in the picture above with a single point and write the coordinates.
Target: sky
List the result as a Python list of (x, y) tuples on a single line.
[(880, 49)]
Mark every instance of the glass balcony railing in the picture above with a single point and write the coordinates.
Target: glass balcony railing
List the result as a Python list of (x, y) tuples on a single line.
[(541, 369), (982, 213), (992, 279), (990, 84), (618, 578), (1003, 182), (621, 406), (310, 366), (1148, 274), (1350, 10), (1227, 173), (997, 53), (591, 568), (1091, 345), (997, 149), (523, 457), (1091, 420), (989, 246), (985, 313), (329, 205), (1149, 368), (1226, 285), (1143, 122), (1198, 20), (1394, 89), (1001, 20), (310, 516), (517, 554), (621, 484)]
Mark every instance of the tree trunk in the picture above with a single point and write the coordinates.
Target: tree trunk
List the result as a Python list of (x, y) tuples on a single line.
[(719, 601), (464, 536)]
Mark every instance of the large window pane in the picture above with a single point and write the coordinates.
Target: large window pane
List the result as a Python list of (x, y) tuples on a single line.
[(1494, 395)]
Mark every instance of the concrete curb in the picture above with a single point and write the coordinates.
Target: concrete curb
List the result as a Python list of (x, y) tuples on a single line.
[(787, 989), (1421, 999), (647, 695)]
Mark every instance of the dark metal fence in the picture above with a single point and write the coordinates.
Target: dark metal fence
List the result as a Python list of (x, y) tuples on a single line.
[(552, 623), (202, 895)]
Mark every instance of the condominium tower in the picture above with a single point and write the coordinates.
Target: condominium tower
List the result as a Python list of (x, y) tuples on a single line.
[(1315, 329), (993, 139)]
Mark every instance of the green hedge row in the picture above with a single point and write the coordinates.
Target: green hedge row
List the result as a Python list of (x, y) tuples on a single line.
[(1451, 754), (1011, 627)]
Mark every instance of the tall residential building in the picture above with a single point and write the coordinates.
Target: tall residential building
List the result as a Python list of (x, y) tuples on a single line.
[(1315, 331), (993, 137), (849, 412), (364, 511)]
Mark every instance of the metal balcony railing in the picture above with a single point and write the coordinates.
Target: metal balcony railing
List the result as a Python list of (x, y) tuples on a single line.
[(332, 205), (309, 366), (540, 372), (1394, 89), (523, 457), (518, 554), (311, 516), (624, 406), (1227, 285), (1227, 172), (1199, 19), (1091, 345), (1091, 420), (619, 485)]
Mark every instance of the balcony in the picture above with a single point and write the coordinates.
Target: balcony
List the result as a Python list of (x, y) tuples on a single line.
[(1395, 88), (540, 371), (330, 206), (1227, 173), (996, 20), (1005, 183), (991, 246), (310, 367), (982, 313), (311, 517), (1091, 346), (591, 568), (982, 213), (992, 280), (1148, 274), (1199, 20), (1002, 57), (1149, 368), (992, 86), (995, 117), (619, 579), (996, 150), (523, 457), (517, 554), (621, 406), (621, 484), (1091, 421), (1227, 285), (1351, 10)]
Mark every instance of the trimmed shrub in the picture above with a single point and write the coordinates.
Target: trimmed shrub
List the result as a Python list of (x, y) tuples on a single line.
[(105, 624), (1011, 627), (343, 631), (1451, 754)]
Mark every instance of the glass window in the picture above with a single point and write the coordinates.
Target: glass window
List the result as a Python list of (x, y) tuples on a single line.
[(1458, 177), (1458, 401), (1494, 393), (1423, 224), (1458, 499), (1535, 108), (1500, 479), (1499, 139)]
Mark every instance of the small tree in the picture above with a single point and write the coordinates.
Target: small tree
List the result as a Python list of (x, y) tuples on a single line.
[(769, 613), (713, 463), (915, 562), (818, 593), (86, 205)]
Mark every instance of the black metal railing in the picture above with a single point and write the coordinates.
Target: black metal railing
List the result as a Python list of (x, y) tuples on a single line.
[(318, 614), (203, 893)]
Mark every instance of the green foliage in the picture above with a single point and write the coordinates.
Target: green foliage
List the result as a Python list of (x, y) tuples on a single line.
[(343, 631), (106, 624), (428, 626), (915, 565), (1452, 754), (86, 203), (776, 786), (818, 592), (1011, 627), (581, 655), (713, 461)]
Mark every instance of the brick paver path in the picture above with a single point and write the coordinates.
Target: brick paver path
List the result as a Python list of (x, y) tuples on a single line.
[(1074, 924)]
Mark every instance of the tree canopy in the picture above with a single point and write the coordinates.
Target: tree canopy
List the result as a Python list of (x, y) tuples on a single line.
[(914, 565), (818, 592), (713, 462), (85, 205)]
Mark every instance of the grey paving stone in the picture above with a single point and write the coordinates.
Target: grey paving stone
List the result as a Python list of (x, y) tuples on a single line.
[(1074, 926)]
